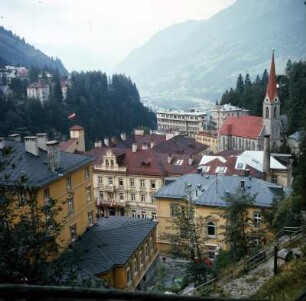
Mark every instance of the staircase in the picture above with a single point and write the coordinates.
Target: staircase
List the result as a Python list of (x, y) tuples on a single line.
[(284, 238)]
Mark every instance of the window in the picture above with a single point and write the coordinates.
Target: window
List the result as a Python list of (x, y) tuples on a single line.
[(205, 168), (179, 162), (88, 193), (174, 210), (274, 179), (141, 257), (274, 112), (143, 214), (257, 219), (121, 196), (134, 213), (132, 182), (90, 218), (100, 180), (120, 182), (47, 195), (152, 199), (153, 184), (143, 198), (110, 180), (128, 275), (142, 183), (70, 205), (101, 195), (220, 169), (73, 232), (136, 265), (153, 215), (133, 197), (146, 250), (211, 229), (267, 112), (87, 173), (112, 163), (68, 182)]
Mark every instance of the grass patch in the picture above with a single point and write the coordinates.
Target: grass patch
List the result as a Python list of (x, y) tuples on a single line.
[(289, 284)]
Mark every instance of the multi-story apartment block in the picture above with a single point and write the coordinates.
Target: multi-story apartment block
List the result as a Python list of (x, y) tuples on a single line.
[(220, 113), (38, 91), (52, 174), (182, 121), (126, 179), (208, 138)]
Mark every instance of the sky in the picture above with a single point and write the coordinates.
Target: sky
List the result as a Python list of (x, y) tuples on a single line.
[(97, 34)]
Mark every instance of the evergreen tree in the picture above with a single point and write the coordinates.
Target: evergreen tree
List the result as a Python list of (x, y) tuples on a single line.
[(240, 85)]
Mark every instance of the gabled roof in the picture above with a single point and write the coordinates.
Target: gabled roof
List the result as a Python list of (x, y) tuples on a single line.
[(211, 190), (147, 161), (112, 241), (243, 126), (36, 168), (271, 92), (38, 85)]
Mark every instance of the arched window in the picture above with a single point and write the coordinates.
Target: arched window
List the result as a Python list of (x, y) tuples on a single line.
[(112, 163), (106, 162), (211, 229), (267, 112), (275, 112)]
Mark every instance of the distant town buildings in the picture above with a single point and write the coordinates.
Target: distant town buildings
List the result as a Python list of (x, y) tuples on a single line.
[(185, 122), (7, 73)]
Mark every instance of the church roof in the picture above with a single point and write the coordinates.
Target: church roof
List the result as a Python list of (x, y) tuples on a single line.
[(271, 92), (244, 126)]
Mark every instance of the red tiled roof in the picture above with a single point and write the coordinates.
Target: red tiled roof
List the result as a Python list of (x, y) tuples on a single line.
[(76, 127), (243, 126), (271, 92)]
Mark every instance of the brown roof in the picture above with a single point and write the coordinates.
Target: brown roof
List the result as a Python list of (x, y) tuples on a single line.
[(147, 162), (181, 145), (38, 85), (64, 145), (243, 126), (76, 127)]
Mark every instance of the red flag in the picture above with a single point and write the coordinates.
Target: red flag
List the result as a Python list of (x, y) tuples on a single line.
[(72, 116)]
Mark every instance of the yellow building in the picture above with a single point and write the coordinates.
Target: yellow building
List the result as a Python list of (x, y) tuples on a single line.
[(209, 139), (121, 250), (206, 194), (52, 174)]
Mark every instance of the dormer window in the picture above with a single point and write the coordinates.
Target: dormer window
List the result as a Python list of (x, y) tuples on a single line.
[(221, 169)]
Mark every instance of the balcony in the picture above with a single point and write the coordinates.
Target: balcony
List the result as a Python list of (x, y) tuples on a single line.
[(108, 187), (107, 203)]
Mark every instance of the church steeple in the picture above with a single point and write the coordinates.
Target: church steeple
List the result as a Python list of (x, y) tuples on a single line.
[(271, 110), (271, 92)]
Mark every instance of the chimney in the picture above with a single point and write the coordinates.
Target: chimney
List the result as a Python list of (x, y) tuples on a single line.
[(42, 140), (266, 157), (98, 143), (15, 137), (54, 155), (190, 160), (106, 142), (152, 144), (134, 147), (170, 158), (123, 136), (145, 146), (114, 140), (31, 145)]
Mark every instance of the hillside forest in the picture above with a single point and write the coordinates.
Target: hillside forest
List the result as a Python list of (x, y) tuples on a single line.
[(104, 106)]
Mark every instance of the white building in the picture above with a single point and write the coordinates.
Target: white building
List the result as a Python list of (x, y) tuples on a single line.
[(38, 91), (185, 122)]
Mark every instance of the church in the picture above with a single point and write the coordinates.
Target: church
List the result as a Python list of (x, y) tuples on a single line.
[(247, 132)]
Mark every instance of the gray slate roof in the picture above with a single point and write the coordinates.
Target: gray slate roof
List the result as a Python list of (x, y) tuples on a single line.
[(211, 190), (111, 241), (36, 168)]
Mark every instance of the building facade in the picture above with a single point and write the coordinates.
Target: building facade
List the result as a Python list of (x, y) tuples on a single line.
[(60, 176), (209, 139), (182, 121), (206, 194), (38, 91)]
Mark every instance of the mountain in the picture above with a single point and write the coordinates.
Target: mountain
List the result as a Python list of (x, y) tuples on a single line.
[(15, 51), (200, 59)]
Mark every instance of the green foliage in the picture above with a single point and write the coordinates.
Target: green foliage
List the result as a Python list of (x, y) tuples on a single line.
[(237, 229), (104, 107)]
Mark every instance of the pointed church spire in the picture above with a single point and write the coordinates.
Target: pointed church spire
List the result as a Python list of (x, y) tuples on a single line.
[(271, 88)]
